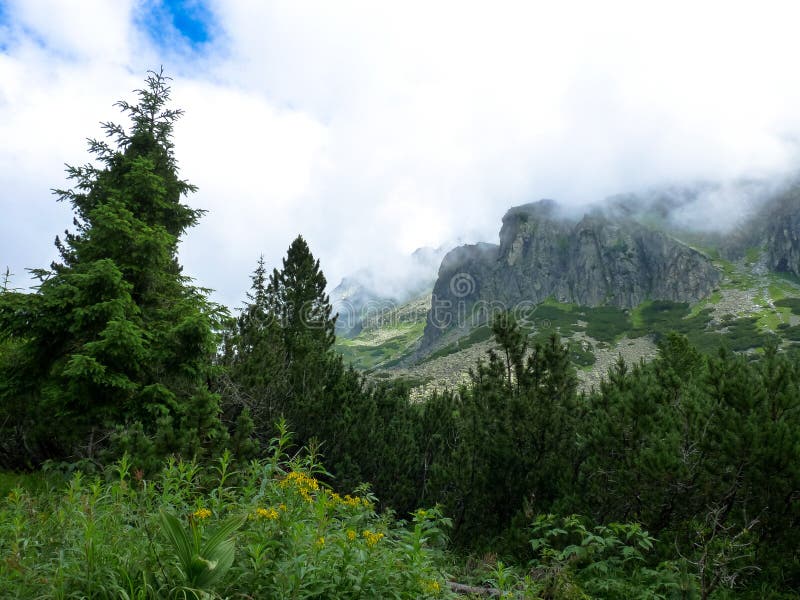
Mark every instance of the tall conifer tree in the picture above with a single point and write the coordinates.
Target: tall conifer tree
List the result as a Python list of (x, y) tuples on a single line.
[(297, 299), (115, 334)]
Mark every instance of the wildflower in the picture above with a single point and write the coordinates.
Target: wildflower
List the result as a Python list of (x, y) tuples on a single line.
[(351, 535), (201, 513), (267, 513), (320, 542), (282, 507), (371, 537), (431, 586), (304, 484)]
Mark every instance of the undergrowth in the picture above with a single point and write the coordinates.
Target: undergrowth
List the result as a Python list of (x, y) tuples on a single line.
[(267, 529)]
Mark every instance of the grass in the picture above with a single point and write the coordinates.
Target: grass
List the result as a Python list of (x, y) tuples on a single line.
[(267, 529), (370, 349), (769, 319), (712, 300), (776, 292), (788, 277), (752, 255), (476, 336)]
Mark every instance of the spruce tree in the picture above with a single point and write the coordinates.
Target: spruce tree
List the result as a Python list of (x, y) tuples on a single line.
[(115, 339), (296, 301), (255, 378), (296, 298)]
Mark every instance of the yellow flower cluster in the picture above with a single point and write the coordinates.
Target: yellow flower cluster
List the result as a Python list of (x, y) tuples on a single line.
[(201, 513), (371, 537), (267, 513), (351, 501), (351, 535), (431, 586), (303, 483), (320, 542)]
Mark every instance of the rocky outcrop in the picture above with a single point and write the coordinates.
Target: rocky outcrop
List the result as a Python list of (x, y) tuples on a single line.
[(589, 261), (782, 233)]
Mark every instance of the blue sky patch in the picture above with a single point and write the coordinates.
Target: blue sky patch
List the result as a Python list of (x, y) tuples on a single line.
[(4, 26), (174, 23)]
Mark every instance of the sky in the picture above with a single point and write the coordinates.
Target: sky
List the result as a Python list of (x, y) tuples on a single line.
[(375, 128)]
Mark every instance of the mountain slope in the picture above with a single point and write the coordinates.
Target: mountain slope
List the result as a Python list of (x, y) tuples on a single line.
[(747, 295)]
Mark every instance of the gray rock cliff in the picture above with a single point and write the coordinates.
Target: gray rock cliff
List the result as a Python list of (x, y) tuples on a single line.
[(782, 233), (589, 261)]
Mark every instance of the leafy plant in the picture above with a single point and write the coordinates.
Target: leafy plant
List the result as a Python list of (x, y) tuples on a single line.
[(576, 560), (202, 563)]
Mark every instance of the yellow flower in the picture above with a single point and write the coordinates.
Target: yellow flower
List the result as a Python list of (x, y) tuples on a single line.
[(371, 537), (282, 507), (304, 484), (431, 586), (267, 513), (351, 535), (320, 542), (201, 513), (350, 501)]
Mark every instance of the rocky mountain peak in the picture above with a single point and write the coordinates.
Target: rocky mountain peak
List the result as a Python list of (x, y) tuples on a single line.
[(542, 254)]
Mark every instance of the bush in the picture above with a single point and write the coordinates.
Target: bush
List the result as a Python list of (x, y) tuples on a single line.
[(791, 303), (606, 323)]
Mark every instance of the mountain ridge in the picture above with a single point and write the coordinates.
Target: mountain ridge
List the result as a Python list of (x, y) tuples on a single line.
[(751, 297), (591, 261)]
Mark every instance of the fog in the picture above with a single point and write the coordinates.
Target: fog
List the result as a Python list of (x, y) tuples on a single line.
[(376, 129)]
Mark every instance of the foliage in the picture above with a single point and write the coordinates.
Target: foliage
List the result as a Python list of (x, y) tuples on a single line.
[(791, 303), (575, 560), (270, 530), (115, 340), (700, 448), (253, 379), (202, 564), (607, 323), (702, 451), (513, 428), (295, 297), (279, 363)]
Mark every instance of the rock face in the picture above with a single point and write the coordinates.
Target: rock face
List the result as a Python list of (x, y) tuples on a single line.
[(592, 261), (782, 233)]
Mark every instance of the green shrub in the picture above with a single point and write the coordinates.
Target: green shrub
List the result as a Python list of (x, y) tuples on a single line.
[(606, 323), (791, 303), (574, 559)]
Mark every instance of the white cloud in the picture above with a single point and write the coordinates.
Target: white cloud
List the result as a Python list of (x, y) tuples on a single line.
[(373, 128), (84, 29)]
